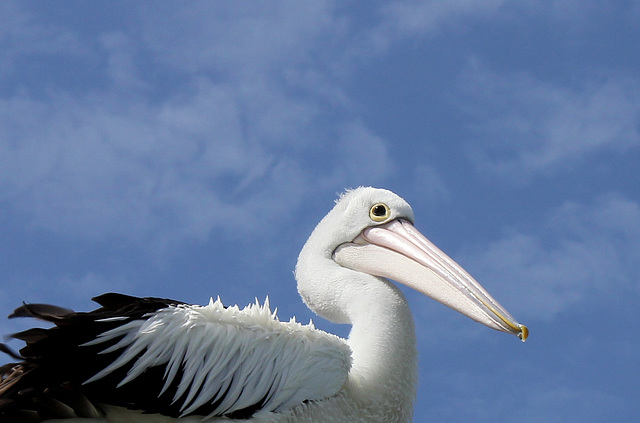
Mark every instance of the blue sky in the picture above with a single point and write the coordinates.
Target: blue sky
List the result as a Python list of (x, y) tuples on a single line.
[(187, 149)]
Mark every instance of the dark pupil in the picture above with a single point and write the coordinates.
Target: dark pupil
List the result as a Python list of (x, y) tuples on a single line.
[(379, 211)]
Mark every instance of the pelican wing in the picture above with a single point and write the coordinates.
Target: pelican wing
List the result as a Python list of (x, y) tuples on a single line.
[(163, 356)]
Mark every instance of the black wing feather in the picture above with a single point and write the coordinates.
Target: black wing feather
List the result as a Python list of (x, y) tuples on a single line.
[(47, 382)]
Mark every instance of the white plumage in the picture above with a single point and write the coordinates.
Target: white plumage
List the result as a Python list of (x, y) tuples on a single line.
[(153, 360), (240, 353)]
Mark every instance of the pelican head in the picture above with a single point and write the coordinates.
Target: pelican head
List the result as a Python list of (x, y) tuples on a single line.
[(369, 237)]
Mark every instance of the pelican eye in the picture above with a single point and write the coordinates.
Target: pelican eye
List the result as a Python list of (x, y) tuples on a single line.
[(379, 212)]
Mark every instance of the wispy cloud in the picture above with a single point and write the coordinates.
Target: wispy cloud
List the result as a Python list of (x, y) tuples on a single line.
[(527, 127), (122, 162), (122, 66), (239, 41), (424, 17), (411, 18)]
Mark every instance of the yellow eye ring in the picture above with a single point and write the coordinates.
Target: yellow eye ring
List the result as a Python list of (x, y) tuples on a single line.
[(379, 212)]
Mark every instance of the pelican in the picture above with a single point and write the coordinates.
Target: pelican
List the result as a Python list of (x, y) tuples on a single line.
[(158, 360)]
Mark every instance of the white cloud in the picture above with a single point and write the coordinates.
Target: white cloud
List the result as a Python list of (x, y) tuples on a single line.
[(88, 168), (122, 66), (252, 120), (117, 166), (527, 127), (409, 18), (247, 124), (424, 17)]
